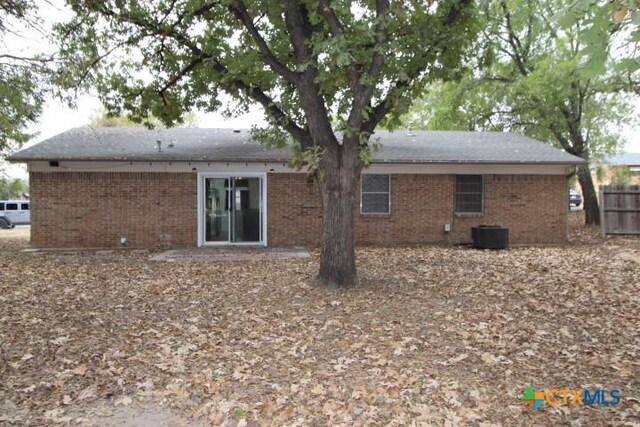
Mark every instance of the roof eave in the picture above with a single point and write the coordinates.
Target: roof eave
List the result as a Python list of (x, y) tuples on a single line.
[(14, 159), (140, 160), (481, 162)]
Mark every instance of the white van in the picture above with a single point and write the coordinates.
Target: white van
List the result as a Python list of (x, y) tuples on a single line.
[(14, 212)]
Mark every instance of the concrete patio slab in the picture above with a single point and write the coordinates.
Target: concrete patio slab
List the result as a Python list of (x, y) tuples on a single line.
[(230, 254)]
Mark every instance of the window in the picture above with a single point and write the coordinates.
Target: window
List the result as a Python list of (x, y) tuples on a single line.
[(1, 206), (469, 193), (24, 206), (11, 206), (375, 194)]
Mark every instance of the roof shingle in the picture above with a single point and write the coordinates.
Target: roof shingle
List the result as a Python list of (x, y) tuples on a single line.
[(227, 145)]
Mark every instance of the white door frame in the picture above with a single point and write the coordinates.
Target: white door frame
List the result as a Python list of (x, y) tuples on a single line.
[(263, 206)]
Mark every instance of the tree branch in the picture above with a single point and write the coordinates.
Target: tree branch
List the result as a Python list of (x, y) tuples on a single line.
[(382, 9), (299, 134), (337, 30), (182, 73), (300, 32), (325, 9), (169, 10), (26, 59), (513, 41), (200, 11), (383, 107), (363, 93), (379, 111), (295, 25), (239, 9), (95, 62)]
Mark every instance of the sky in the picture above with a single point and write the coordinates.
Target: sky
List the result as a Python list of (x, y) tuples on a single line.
[(57, 117)]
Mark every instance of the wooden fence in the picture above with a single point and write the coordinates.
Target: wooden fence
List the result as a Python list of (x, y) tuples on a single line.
[(620, 209)]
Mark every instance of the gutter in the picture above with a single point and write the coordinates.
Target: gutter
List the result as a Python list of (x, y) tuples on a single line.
[(13, 159)]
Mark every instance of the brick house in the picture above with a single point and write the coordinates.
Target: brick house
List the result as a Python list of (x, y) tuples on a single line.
[(198, 187)]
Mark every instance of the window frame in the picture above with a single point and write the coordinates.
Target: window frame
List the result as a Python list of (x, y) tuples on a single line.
[(456, 192), (362, 193)]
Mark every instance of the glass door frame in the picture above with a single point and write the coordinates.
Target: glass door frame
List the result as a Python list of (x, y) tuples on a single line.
[(201, 207)]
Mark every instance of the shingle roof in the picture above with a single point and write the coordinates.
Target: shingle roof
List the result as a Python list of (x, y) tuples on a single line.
[(226, 145), (625, 159)]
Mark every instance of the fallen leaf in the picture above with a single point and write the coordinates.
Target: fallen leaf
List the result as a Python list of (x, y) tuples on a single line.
[(60, 340), (318, 389), (124, 400), (488, 358)]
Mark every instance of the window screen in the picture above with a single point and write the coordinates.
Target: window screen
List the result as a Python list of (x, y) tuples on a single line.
[(375, 193), (469, 193)]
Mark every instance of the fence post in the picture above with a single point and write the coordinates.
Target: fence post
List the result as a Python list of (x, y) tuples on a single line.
[(603, 219)]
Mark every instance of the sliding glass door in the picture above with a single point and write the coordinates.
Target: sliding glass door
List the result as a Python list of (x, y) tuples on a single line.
[(233, 209), (217, 208)]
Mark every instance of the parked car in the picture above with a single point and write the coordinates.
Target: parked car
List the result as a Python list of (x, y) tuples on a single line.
[(14, 212), (5, 223), (575, 199)]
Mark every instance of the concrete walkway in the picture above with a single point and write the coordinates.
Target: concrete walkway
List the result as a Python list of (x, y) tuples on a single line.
[(230, 254)]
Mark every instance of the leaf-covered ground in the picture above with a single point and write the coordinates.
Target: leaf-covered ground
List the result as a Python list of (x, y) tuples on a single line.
[(432, 336)]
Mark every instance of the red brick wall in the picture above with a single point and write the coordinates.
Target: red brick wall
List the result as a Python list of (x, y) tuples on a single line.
[(82, 209), (533, 207), (94, 209), (420, 205), (294, 213)]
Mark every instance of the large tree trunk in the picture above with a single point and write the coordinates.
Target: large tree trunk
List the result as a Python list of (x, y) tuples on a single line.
[(338, 184), (590, 203)]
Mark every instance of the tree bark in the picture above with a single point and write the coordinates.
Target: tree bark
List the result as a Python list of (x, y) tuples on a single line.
[(590, 202), (341, 172)]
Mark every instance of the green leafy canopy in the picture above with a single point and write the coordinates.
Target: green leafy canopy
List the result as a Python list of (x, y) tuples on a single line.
[(608, 30), (12, 188), (529, 77), (321, 70), (21, 77)]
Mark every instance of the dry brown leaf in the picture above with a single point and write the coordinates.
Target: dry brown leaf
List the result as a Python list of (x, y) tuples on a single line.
[(260, 342)]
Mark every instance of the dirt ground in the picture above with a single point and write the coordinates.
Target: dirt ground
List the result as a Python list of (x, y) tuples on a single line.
[(432, 336)]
